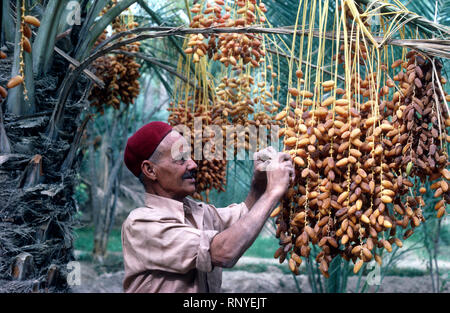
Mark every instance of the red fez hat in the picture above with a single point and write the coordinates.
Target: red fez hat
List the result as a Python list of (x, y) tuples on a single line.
[(143, 143)]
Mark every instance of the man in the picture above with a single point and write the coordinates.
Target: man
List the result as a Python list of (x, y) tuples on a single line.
[(175, 244)]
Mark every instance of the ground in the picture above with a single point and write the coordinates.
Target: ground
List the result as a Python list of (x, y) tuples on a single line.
[(257, 271), (270, 279)]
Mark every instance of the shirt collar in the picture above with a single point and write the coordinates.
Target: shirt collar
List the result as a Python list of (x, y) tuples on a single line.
[(170, 207)]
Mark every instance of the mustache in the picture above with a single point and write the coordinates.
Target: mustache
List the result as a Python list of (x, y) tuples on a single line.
[(190, 174)]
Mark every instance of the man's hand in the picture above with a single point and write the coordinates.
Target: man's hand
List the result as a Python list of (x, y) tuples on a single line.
[(261, 159), (265, 161), (280, 173)]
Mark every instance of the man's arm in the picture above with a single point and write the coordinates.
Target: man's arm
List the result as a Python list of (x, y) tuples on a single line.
[(256, 191), (229, 245)]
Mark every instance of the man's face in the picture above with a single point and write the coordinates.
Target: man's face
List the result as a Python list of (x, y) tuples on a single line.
[(175, 169)]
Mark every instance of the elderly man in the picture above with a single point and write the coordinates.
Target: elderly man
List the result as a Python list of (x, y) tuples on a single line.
[(174, 244)]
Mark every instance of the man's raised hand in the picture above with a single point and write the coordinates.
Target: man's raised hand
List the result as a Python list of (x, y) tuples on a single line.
[(273, 169)]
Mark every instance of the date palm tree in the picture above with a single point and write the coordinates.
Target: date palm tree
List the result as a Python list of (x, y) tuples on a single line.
[(41, 125)]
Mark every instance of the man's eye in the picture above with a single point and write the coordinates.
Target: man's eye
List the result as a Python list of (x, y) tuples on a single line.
[(182, 158), (186, 156), (180, 161)]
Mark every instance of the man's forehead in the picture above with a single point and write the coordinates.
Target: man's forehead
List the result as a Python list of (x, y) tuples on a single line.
[(175, 142), (173, 135)]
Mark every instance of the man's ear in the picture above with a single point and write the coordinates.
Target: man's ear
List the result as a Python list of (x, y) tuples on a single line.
[(148, 169)]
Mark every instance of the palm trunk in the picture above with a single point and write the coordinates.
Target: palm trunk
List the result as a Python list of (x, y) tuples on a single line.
[(36, 202), (108, 184), (105, 213), (37, 173)]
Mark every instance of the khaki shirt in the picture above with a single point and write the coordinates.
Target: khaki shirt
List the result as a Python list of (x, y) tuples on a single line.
[(166, 245)]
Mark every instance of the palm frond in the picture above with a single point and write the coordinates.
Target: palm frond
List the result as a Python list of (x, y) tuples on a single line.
[(426, 25), (444, 12)]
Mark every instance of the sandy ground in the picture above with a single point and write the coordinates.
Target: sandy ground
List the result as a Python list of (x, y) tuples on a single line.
[(408, 261), (273, 280)]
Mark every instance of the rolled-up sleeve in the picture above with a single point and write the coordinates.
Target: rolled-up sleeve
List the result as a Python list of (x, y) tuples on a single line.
[(231, 214), (167, 246), (204, 263)]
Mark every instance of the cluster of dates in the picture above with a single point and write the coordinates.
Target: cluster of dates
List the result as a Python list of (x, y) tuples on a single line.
[(228, 48), (119, 72), (358, 152)]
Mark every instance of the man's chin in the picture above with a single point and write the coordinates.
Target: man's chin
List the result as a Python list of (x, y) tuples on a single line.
[(192, 191), (190, 188)]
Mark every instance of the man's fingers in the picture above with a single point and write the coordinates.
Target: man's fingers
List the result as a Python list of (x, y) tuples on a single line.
[(262, 166), (290, 170), (263, 155), (283, 157), (288, 163), (271, 155), (276, 165), (292, 175), (271, 149), (289, 160)]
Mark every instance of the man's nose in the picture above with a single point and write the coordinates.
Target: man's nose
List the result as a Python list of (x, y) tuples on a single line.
[(191, 165)]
